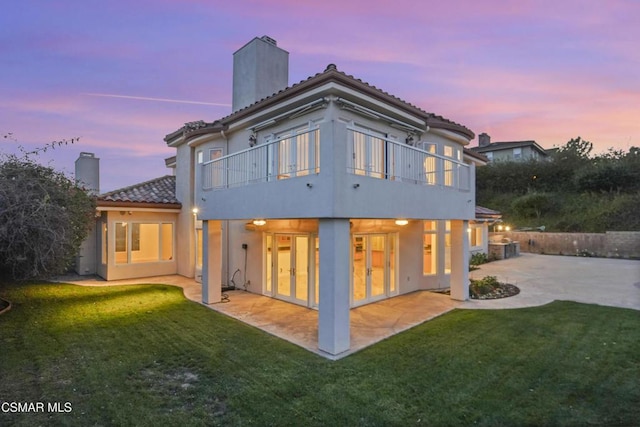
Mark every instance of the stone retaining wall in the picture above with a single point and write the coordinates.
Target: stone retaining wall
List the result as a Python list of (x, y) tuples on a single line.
[(612, 244)]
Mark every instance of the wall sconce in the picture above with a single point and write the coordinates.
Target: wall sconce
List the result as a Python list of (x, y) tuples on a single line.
[(195, 211), (259, 222), (252, 139), (507, 228), (409, 140), (401, 222)]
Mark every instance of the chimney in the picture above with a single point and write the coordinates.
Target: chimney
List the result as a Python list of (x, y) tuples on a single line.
[(484, 140), (88, 172), (260, 69)]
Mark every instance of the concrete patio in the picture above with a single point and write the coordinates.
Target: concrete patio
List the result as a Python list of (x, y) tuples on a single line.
[(541, 279)]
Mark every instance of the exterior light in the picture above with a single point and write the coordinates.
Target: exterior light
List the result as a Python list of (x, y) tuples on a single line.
[(499, 228), (194, 210), (507, 228), (401, 222), (259, 222)]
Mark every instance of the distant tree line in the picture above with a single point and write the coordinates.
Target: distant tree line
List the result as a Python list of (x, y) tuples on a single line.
[(573, 190)]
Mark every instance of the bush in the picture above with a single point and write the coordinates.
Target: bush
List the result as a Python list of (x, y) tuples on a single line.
[(44, 217), (483, 286)]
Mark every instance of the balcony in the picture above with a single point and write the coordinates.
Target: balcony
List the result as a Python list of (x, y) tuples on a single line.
[(362, 175), (368, 155)]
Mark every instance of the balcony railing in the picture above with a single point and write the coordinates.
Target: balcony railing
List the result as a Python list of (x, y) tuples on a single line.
[(294, 155), (369, 154), (375, 156)]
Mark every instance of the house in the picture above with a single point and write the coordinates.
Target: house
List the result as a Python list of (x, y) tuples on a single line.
[(329, 194), (509, 150)]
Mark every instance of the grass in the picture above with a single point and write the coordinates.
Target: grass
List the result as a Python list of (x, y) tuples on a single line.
[(144, 355)]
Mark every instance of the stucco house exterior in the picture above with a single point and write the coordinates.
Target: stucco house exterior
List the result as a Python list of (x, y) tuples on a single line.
[(514, 151), (329, 194)]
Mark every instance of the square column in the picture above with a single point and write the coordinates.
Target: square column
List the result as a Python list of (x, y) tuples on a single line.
[(211, 262), (459, 260), (333, 308)]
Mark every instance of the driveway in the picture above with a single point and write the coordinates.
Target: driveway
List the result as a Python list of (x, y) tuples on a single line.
[(544, 278)]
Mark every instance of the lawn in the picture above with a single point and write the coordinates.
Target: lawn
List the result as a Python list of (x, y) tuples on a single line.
[(144, 355)]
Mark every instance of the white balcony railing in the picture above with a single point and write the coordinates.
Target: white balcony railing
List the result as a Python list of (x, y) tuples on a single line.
[(297, 154), (375, 156), (369, 154)]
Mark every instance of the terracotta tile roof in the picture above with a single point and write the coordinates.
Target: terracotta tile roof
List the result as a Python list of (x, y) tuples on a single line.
[(330, 73), (159, 192)]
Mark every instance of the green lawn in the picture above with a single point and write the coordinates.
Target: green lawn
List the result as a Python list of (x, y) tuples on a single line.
[(144, 355)]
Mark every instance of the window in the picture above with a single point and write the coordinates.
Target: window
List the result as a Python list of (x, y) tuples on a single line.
[(200, 157), (489, 155), (143, 242), (367, 152), (296, 152), (430, 165), (450, 168), (475, 236), (517, 153), (447, 247), (430, 248)]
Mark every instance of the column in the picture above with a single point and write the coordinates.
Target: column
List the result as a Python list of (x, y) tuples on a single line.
[(333, 310), (459, 260), (211, 262)]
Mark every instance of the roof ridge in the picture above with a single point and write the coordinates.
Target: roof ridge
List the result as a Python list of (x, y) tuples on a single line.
[(330, 69), (130, 187)]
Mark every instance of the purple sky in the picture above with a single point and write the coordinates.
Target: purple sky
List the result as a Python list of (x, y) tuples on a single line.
[(542, 70)]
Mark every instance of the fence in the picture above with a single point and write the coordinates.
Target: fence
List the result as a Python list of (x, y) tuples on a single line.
[(612, 244)]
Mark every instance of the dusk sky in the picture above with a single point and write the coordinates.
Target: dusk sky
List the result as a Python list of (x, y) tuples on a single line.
[(120, 75)]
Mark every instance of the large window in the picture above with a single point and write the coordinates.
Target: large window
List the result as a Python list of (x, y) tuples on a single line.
[(430, 248), (296, 152), (138, 242)]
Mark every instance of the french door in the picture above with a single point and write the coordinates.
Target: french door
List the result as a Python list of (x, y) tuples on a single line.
[(374, 272), (291, 267)]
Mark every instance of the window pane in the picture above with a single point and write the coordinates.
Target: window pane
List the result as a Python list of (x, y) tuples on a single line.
[(145, 242), (430, 249), (429, 226), (269, 264), (104, 243), (121, 242), (167, 243)]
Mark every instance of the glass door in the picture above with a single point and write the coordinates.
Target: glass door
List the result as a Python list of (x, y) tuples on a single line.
[(291, 267), (373, 268)]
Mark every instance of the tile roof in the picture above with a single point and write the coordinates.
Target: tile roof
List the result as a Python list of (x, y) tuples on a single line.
[(159, 192), (482, 212), (330, 73)]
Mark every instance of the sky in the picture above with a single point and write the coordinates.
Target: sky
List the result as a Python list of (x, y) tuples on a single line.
[(120, 75)]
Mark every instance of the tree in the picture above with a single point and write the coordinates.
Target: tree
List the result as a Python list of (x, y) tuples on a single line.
[(44, 217)]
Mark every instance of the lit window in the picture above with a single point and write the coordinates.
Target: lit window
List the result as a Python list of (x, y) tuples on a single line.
[(145, 242), (430, 248), (447, 248)]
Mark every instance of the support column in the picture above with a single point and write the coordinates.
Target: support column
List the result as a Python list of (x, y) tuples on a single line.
[(333, 309), (459, 260), (211, 262)]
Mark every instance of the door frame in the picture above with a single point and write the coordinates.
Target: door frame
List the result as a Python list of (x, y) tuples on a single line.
[(389, 274)]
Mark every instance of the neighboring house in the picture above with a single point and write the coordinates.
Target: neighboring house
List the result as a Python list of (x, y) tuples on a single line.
[(509, 150), (329, 194)]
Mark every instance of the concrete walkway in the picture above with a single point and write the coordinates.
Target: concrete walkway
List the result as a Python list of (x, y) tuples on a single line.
[(541, 279), (545, 278)]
